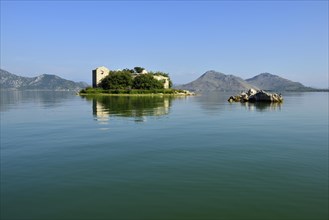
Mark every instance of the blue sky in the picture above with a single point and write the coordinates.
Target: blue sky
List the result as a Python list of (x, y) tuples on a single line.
[(182, 38)]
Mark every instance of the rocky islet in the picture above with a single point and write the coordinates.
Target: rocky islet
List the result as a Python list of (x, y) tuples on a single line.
[(253, 95)]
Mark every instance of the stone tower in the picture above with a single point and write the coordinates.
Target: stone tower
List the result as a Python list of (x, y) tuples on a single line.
[(98, 74)]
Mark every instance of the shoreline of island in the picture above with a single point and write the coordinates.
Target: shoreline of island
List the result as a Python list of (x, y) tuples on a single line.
[(134, 92)]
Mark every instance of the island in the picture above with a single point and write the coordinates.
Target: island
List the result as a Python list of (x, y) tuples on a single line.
[(253, 95), (135, 81)]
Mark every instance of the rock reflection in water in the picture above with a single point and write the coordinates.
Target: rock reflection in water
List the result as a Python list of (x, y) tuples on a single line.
[(262, 106), (137, 107)]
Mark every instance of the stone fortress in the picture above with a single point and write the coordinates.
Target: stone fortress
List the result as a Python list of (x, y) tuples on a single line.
[(98, 74), (101, 72)]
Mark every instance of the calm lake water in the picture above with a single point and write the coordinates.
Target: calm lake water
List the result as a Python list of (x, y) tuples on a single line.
[(69, 157)]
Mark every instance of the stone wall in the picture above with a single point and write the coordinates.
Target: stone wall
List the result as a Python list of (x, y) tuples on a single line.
[(165, 79)]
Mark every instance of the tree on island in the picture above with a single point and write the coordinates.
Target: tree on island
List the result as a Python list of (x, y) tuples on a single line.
[(127, 79), (138, 69), (158, 73), (117, 80), (129, 70), (147, 81)]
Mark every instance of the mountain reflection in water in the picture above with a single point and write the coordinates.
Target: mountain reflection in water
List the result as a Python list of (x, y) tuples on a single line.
[(137, 107), (11, 99)]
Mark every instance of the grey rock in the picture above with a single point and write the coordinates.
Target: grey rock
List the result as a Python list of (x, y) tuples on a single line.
[(259, 96)]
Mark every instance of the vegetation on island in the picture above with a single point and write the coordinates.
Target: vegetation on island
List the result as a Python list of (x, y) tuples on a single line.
[(98, 91), (117, 80), (133, 81)]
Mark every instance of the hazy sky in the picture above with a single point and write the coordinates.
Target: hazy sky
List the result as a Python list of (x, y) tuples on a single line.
[(182, 38)]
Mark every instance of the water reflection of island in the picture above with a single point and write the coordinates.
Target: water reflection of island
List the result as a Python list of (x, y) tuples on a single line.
[(138, 108), (262, 106)]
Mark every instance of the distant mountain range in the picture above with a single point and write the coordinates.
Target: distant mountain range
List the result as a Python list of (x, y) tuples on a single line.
[(267, 81), (216, 81), (209, 81), (212, 80), (42, 82)]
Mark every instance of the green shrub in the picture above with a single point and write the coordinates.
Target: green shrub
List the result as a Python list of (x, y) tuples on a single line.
[(146, 81), (117, 80)]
